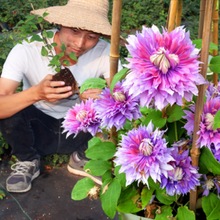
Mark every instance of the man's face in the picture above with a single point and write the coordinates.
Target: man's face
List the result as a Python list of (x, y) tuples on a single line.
[(77, 41)]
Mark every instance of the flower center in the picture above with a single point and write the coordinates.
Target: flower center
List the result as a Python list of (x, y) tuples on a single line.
[(119, 96), (209, 184), (146, 147), (163, 60), (177, 173), (209, 121), (81, 115)]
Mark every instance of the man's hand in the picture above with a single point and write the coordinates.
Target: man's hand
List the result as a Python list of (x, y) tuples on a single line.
[(90, 93), (52, 91)]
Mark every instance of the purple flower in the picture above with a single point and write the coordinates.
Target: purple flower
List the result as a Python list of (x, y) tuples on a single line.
[(183, 177), (142, 154), (190, 118), (212, 91), (82, 117), (163, 67), (210, 183), (116, 107), (207, 134)]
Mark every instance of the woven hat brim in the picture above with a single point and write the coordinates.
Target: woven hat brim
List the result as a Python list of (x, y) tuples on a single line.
[(86, 20)]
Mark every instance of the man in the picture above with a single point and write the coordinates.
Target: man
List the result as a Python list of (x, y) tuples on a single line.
[(31, 120)]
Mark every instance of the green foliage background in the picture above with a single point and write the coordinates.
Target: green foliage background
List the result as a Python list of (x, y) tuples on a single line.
[(135, 14)]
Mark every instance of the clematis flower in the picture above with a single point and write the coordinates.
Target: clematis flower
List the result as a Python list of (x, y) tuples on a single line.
[(210, 183), (183, 177), (208, 136), (190, 117), (116, 107), (164, 67), (143, 153), (81, 117)]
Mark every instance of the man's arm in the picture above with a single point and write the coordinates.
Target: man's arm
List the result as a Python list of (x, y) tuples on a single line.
[(11, 102)]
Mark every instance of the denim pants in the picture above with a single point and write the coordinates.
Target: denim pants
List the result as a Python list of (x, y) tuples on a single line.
[(32, 134)]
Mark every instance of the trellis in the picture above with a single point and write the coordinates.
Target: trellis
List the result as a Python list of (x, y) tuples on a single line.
[(207, 31)]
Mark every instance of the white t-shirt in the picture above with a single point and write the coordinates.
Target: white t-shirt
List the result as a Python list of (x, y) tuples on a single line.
[(25, 64)]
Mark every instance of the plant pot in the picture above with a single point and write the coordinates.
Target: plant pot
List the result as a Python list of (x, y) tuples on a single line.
[(129, 216)]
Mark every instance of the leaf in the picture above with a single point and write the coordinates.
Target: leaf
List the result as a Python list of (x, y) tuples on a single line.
[(109, 198), (208, 163), (101, 150), (153, 115), (146, 196), (81, 189), (211, 206), (93, 83), (73, 56), (184, 213), (128, 200), (216, 123), (163, 197), (97, 167), (214, 65), (44, 52), (118, 77), (165, 213), (36, 37), (174, 113), (49, 34)]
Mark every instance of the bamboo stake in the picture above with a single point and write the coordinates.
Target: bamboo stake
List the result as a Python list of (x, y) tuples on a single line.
[(201, 17), (172, 14), (179, 13), (114, 49), (115, 37), (215, 18), (195, 151)]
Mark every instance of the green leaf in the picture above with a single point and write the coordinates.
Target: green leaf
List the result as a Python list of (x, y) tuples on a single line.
[(36, 37), (184, 213), (128, 202), (118, 77), (146, 195), (109, 198), (211, 206), (81, 189), (153, 115), (165, 213), (44, 52), (93, 83), (73, 56), (174, 113), (49, 34), (101, 150), (216, 123), (208, 163), (97, 167), (163, 197), (214, 65)]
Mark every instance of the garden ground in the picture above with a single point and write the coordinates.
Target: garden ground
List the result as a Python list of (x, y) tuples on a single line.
[(49, 198)]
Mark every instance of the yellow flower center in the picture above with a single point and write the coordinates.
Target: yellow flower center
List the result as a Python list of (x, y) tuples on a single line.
[(146, 147), (163, 60), (81, 115), (119, 96), (209, 119)]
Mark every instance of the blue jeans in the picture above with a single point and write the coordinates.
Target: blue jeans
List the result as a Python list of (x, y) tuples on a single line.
[(32, 134)]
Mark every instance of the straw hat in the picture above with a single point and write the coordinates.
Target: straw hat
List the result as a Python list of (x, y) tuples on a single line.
[(89, 15)]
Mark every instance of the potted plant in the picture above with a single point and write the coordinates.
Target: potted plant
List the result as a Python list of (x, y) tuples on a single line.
[(146, 119), (33, 28)]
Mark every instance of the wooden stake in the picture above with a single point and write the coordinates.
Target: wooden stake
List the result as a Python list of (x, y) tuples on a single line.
[(172, 14), (214, 39), (195, 151), (201, 17), (179, 13), (115, 37)]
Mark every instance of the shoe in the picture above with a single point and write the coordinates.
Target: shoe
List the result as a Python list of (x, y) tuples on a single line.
[(76, 166), (24, 172)]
